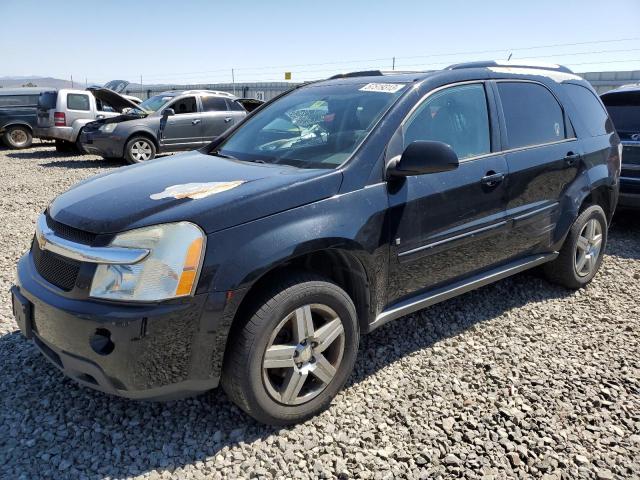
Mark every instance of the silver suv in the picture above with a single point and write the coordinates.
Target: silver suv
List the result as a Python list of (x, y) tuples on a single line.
[(167, 122), (62, 114)]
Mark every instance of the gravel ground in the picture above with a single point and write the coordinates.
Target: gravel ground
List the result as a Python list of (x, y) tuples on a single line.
[(521, 379)]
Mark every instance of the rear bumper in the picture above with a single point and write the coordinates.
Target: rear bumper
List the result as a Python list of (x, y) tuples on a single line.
[(159, 351), (103, 144), (55, 133), (629, 193)]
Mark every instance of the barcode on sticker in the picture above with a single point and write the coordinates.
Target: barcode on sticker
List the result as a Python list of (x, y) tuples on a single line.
[(382, 87)]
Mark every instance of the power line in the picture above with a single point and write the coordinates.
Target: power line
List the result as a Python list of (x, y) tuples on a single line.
[(342, 62)]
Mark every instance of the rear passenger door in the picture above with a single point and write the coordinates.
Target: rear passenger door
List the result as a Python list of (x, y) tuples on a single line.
[(543, 157), (448, 225), (184, 129), (216, 117)]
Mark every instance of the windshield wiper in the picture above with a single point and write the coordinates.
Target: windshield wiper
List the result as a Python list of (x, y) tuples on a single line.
[(223, 155)]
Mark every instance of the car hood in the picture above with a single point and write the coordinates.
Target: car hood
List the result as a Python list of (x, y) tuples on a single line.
[(114, 99), (210, 191)]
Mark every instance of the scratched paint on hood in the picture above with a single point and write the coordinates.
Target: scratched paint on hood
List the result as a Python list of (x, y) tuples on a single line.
[(196, 190)]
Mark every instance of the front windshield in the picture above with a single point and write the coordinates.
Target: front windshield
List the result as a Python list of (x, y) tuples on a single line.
[(312, 127), (154, 103)]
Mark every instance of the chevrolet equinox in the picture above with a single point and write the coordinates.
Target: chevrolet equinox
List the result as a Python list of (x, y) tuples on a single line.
[(257, 261)]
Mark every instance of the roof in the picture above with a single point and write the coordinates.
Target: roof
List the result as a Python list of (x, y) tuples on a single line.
[(175, 93), (632, 88), (24, 90)]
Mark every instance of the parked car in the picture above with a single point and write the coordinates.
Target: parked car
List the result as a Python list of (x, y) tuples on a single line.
[(258, 261), (18, 115), (168, 122), (63, 114), (623, 105)]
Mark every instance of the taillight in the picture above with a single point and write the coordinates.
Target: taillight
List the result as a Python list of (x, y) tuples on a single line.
[(59, 119)]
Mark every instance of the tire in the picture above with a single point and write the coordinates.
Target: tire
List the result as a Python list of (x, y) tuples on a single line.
[(62, 146), (17, 137), (139, 149), (262, 392), (568, 268)]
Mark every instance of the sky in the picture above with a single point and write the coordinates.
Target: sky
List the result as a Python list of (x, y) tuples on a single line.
[(203, 41)]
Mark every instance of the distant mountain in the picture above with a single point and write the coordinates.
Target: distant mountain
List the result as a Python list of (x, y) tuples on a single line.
[(19, 81)]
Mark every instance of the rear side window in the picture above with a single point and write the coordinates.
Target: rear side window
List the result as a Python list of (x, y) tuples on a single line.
[(77, 101), (532, 114), (235, 106), (213, 104), (591, 111), (18, 100), (457, 116)]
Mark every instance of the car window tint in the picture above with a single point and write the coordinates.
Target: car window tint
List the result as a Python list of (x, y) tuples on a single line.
[(213, 104), (457, 116), (185, 105), (532, 114), (18, 100), (591, 111), (235, 106), (76, 101)]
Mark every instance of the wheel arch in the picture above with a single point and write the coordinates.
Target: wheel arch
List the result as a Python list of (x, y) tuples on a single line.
[(143, 133)]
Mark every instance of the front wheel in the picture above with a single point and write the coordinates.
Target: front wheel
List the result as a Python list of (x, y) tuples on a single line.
[(139, 149), (294, 353), (581, 255), (18, 137)]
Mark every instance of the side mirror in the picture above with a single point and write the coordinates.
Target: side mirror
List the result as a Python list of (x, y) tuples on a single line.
[(167, 112), (422, 157)]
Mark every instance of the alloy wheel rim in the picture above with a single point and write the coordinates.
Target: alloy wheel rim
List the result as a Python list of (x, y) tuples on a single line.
[(18, 137), (141, 151), (588, 248), (303, 354)]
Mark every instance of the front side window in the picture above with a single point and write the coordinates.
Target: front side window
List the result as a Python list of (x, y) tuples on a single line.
[(213, 104), (532, 114), (314, 126), (185, 105), (77, 101), (457, 116), (591, 111)]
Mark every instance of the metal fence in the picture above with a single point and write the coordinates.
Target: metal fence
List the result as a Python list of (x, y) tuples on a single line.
[(259, 90), (604, 81)]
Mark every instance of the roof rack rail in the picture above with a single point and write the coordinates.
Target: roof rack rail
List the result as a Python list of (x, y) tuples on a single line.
[(372, 73), (513, 64)]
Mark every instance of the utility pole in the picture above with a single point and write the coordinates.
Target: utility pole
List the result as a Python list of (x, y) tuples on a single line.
[(233, 81), (86, 83), (393, 66), (71, 81), (141, 87)]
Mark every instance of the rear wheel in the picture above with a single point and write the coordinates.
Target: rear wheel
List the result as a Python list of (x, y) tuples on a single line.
[(18, 137), (139, 149), (582, 252), (295, 352)]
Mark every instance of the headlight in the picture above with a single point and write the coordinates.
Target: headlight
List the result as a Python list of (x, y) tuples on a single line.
[(108, 127), (170, 270)]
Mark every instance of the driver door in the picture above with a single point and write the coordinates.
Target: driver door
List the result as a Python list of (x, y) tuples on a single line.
[(448, 225), (183, 130)]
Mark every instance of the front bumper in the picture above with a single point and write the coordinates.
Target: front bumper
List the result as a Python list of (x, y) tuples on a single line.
[(104, 144), (158, 351)]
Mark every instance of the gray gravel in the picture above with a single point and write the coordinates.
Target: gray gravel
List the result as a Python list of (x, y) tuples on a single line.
[(519, 379)]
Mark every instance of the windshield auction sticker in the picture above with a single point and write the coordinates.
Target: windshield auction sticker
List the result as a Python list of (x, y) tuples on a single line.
[(382, 87)]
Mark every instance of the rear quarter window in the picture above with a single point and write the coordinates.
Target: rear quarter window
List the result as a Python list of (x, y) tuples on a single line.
[(77, 101), (591, 112)]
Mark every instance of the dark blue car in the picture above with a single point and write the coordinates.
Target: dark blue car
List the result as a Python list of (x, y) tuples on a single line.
[(18, 115)]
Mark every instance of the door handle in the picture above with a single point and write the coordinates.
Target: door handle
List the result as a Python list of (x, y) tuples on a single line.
[(195, 122), (571, 159), (492, 179), (227, 119)]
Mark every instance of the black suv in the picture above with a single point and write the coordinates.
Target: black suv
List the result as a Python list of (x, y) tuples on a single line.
[(623, 105), (258, 261)]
